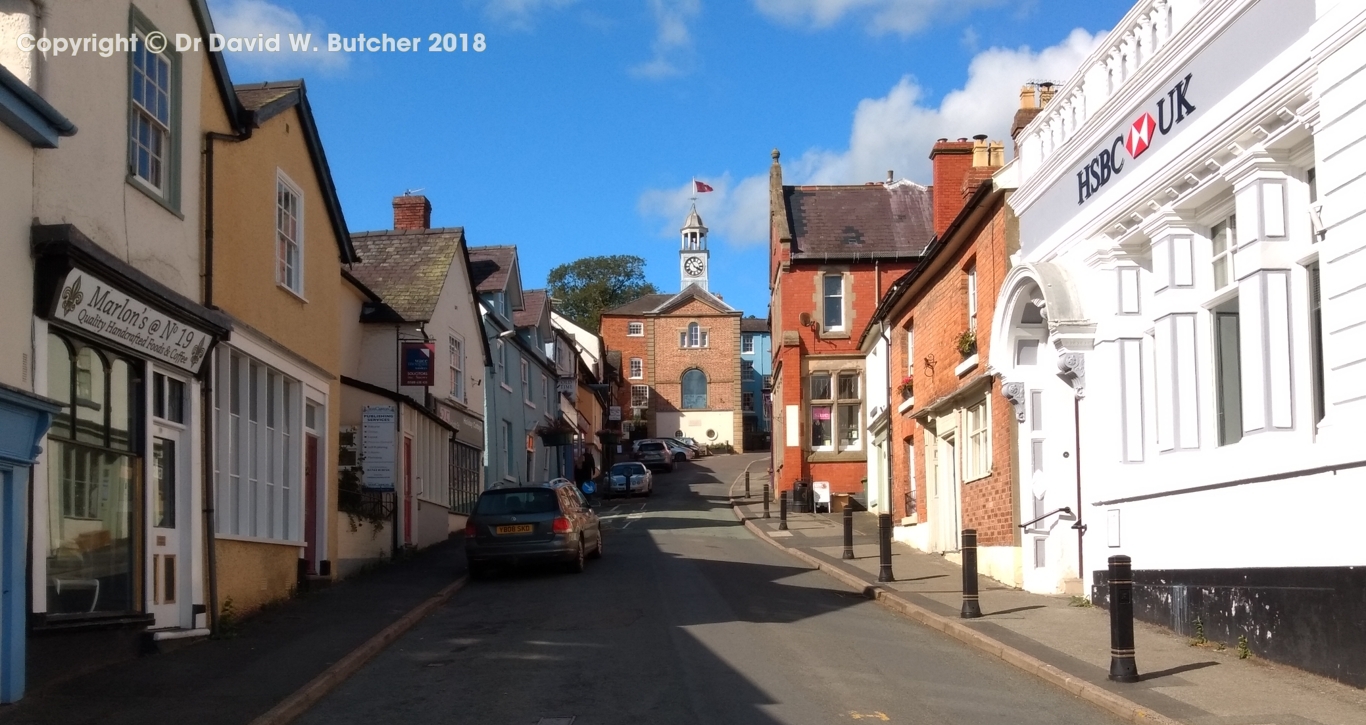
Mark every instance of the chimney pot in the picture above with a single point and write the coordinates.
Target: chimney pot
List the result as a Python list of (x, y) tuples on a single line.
[(1027, 96), (890, 176)]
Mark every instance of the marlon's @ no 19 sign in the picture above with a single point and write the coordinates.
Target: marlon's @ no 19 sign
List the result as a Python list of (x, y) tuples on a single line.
[(419, 363)]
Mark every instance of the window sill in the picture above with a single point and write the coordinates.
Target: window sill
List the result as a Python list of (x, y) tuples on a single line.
[(296, 295), (136, 182), (833, 335), (836, 456), (505, 386), (84, 622), (906, 405), (966, 366), (259, 540)]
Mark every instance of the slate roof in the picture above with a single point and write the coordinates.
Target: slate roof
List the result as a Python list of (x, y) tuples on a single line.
[(408, 268), (641, 305), (694, 292), (859, 222), (259, 97), (533, 304), (753, 324), (490, 267)]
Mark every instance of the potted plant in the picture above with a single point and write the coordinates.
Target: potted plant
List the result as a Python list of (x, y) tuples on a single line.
[(558, 432), (967, 343), (907, 387), (608, 436)]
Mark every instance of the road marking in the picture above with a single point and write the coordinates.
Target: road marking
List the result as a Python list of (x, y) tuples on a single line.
[(875, 715)]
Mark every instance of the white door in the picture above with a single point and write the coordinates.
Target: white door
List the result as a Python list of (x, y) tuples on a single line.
[(167, 505), (944, 509)]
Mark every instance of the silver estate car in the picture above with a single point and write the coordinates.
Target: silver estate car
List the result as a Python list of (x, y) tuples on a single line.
[(518, 524)]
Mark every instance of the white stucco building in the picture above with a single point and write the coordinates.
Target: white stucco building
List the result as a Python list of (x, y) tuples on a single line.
[(1191, 261)]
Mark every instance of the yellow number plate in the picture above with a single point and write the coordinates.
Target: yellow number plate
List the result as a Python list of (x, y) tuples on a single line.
[(514, 529)]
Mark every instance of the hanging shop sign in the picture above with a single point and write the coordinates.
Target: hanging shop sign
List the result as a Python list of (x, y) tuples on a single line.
[(379, 436), (418, 363), (97, 307)]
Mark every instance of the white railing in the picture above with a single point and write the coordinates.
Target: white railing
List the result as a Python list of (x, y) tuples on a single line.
[(1136, 40)]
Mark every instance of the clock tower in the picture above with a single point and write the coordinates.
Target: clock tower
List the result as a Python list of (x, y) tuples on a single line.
[(694, 261)]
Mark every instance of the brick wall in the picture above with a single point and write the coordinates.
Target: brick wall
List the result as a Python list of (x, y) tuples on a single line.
[(614, 337), (412, 212)]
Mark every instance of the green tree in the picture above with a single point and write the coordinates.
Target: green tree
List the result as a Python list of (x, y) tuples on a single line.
[(583, 289)]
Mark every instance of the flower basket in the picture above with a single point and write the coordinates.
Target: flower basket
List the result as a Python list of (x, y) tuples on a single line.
[(967, 343), (558, 433), (609, 436), (907, 387)]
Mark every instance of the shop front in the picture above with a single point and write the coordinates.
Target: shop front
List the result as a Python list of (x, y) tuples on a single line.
[(117, 547)]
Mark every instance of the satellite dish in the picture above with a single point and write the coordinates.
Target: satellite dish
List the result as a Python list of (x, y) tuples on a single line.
[(805, 319)]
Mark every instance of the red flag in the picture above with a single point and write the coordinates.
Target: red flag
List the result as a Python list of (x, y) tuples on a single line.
[(700, 187)]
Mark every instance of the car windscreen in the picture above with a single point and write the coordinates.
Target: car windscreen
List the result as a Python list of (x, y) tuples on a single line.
[(652, 446), (525, 501), (625, 470)]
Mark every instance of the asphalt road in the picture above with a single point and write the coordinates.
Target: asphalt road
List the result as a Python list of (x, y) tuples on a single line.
[(686, 619)]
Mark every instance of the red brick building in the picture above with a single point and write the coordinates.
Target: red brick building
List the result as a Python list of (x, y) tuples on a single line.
[(833, 252), (951, 429), (680, 355)]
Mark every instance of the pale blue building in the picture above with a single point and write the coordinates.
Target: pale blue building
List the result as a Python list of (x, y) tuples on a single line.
[(756, 367)]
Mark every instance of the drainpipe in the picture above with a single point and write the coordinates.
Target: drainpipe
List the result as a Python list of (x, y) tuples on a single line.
[(206, 386), (1079, 526)]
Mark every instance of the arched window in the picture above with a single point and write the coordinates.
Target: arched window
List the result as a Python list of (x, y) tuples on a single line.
[(694, 389)]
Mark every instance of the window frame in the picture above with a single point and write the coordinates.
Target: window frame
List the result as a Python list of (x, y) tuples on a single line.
[(840, 411), (747, 344), (827, 298), (971, 272), (526, 381), (635, 328), (640, 393), (168, 193), (285, 184), (635, 369), (455, 349), (977, 440), (683, 397), (1226, 256)]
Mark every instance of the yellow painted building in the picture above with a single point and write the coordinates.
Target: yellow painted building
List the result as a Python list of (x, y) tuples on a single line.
[(276, 241)]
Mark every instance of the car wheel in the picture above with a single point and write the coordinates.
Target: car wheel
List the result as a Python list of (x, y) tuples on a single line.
[(597, 550), (578, 564)]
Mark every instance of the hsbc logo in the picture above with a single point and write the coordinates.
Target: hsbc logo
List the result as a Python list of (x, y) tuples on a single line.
[(1109, 163)]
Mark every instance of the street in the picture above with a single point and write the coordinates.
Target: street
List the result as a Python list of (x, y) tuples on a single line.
[(686, 619)]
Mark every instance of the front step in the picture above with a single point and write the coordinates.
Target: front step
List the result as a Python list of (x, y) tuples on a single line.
[(161, 641)]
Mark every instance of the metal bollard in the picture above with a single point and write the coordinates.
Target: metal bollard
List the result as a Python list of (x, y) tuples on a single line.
[(971, 608), (746, 484), (766, 502), (884, 535), (848, 533), (782, 510), (1123, 668)]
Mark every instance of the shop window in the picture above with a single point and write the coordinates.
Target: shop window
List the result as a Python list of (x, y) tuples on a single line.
[(258, 463), (835, 411), (94, 463), (1228, 373), (694, 390)]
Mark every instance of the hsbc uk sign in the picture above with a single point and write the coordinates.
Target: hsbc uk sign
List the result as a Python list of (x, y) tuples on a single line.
[(1171, 109)]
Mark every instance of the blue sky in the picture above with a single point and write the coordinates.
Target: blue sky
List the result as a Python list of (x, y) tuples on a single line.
[(576, 132)]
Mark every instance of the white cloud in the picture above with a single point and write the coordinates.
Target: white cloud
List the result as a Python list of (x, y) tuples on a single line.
[(519, 13), (902, 17), (673, 39), (894, 132), (250, 18)]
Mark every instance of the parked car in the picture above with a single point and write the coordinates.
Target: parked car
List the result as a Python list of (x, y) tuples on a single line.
[(653, 453), (534, 522), (628, 478), (694, 450), (679, 451)]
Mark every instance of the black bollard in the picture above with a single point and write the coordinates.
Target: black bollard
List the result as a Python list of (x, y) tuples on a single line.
[(782, 510), (884, 535), (746, 485), (1123, 668), (766, 502), (971, 608), (848, 533)]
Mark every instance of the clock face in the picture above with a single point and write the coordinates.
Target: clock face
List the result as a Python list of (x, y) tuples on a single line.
[(693, 266)]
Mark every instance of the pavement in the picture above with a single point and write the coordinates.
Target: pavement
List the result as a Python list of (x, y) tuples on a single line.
[(278, 662), (1053, 638)]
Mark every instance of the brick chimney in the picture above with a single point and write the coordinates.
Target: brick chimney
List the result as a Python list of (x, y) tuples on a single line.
[(951, 161), (412, 212)]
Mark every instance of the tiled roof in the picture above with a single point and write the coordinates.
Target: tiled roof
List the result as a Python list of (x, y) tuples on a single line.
[(408, 268), (533, 304), (694, 292), (866, 221), (490, 267), (640, 305), (753, 324), (256, 96)]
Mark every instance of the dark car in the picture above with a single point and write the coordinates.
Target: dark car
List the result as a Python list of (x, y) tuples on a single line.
[(654, 454), (532, 523)]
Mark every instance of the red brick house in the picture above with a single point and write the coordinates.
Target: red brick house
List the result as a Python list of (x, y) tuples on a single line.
[(680, 355), (833, 252), (951, 429)]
